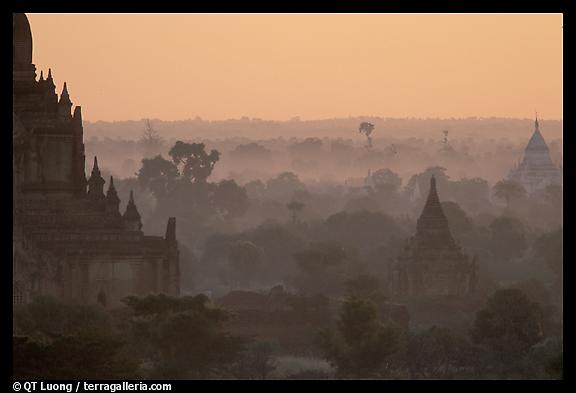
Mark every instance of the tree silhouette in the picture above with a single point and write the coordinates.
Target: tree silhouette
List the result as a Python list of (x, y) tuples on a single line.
[(195, 164), (362, 344), (295, 207), (366, 129), (508, 190)]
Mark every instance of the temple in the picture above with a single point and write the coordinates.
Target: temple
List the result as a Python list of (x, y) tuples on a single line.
[(536, 170), (432, 263), (70, 240)]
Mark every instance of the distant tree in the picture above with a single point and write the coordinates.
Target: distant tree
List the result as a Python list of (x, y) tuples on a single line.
[(423, 180), (194, 162), (184, 337), (230, 198), (472, 194), (440, 353), (246, 262), (361, 229), (457, 218), (508, 237), (320, 268), (509, 190), (554, 367), (150, 137), (554, 194), (251, 151), (255, 189), (295, 207), (549, 248), (159, 175), (386, 182), (367, 129), (509, 322), (362, 344), (90, 356), (52, 338), (256, 362), (284, 185), (308, 148), (365, 286)]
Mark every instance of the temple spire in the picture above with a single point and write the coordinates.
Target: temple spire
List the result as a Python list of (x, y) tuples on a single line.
[(64, 105), (171, 230), (41, 76), (95, 168), (536, 122), (96, 182), (112, 200), (432, 219), (65, 91), (131, 215)]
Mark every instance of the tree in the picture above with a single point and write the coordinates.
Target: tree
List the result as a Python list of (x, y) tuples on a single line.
[(320, 268), (386, 182), (457, 218), (423, 181), (508, 237), (439, 353), (283, 185), (295, 207), (184, 337), (89, 356), (548, 248), (150, 138), (510, 322), (362, 344), (245, 260), (509, 190), (364, 286), (195, 164), (367, 129), (229, 198), (159, 175), (256, 362)]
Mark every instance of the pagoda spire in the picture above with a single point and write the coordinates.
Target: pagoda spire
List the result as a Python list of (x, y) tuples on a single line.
[(131, 215), (96, 182), (49, 78), (432, 224), (64, 105), (112, 200)]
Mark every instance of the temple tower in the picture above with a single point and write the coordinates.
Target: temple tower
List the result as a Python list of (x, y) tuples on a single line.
[(432, 263), (536, 170)]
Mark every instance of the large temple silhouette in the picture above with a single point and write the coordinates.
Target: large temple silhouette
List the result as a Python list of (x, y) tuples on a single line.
[(536, 171), (70, 240), (432, 263)]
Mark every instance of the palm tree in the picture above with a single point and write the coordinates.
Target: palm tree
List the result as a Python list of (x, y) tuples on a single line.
[(294, 208), (507, 190)]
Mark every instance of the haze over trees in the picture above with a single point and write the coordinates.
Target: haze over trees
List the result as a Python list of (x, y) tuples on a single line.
[(288, 237)]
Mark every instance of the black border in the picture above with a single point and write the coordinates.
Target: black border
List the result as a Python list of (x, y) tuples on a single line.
[(339, 6)]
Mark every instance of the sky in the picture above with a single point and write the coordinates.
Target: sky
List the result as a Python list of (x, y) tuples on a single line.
[(315, 66)]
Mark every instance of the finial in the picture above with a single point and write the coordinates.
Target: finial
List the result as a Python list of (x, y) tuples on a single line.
[(131, 200), (49, 73), (112, 182), (65, 89), (41, 75), (95, 162)]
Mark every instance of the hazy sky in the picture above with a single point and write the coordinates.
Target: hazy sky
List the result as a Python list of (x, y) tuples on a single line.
[(276, 66)]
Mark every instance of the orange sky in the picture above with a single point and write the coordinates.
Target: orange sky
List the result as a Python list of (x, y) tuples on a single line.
[(276, 66)]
